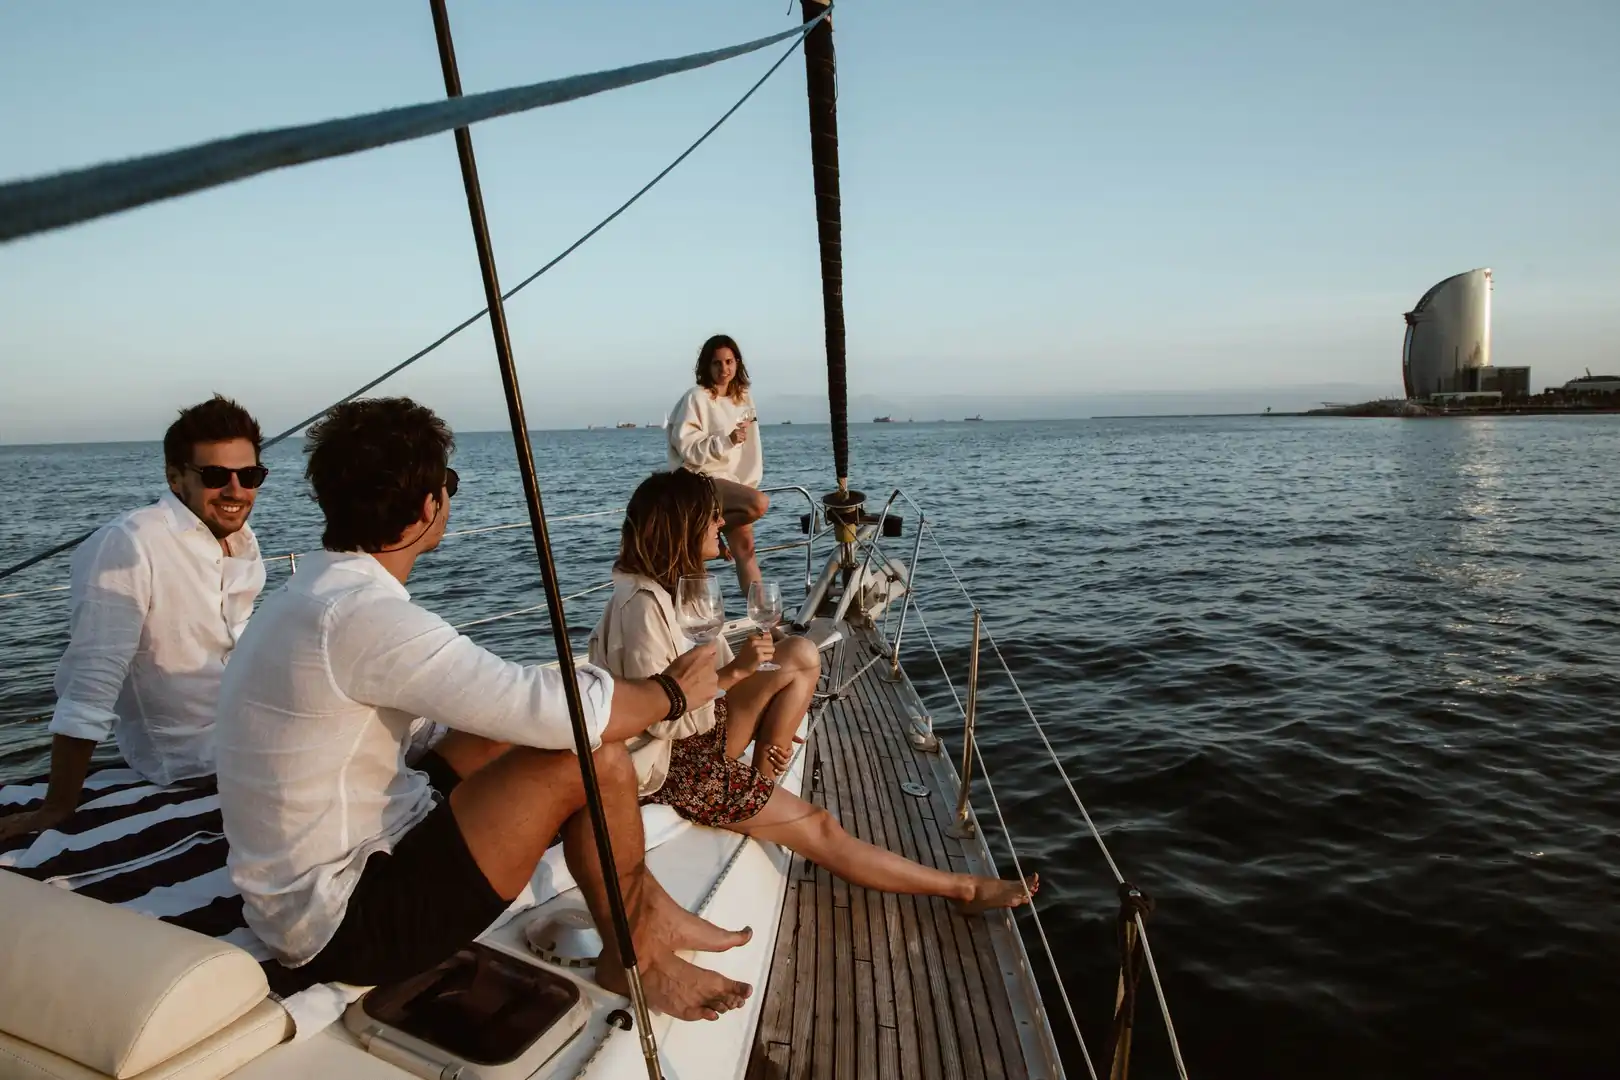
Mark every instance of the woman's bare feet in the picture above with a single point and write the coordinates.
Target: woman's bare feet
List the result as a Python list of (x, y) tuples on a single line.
[(679, 989), (990, 893)]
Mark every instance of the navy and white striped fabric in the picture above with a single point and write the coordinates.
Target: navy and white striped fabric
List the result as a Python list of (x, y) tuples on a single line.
[(156, 850)]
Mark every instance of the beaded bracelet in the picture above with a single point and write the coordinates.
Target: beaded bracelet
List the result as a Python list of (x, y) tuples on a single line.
[(677, 699)]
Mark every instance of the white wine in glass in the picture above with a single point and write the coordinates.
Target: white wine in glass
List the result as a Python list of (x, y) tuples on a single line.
[(700, 608), (765, 611)]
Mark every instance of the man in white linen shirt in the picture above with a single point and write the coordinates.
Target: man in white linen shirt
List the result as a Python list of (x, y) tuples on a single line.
[(159, 598), (355, 867)]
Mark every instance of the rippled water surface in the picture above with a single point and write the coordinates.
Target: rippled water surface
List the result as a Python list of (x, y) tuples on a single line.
[(1339, 694)]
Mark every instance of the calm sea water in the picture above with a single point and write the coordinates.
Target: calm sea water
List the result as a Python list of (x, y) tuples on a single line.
[(1340, 694)]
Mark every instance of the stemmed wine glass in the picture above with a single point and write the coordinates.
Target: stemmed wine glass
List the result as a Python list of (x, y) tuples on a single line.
[(699, 607), (765, 610)]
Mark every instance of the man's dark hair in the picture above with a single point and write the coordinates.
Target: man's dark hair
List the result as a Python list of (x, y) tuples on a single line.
[(370, 463), (219, 419)]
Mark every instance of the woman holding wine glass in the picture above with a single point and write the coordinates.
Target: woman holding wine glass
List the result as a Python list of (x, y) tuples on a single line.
[(663, 600), (713, 430)]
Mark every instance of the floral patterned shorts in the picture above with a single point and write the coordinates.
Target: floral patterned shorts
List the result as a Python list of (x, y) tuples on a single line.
[(706, 786)]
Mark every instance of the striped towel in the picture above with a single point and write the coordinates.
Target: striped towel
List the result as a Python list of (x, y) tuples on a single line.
[(161, 851), (156, 850)]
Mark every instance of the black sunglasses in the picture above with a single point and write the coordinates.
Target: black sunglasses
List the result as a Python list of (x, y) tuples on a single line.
[(452, 481), (217, 476)]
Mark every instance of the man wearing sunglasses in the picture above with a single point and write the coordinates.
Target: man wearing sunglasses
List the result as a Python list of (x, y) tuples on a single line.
[(159, 597)]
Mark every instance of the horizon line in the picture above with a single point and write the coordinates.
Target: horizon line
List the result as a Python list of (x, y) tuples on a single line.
[(606, 428)]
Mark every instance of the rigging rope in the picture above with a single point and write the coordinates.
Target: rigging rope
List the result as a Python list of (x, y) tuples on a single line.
[(524, 524), (39, 205), (940, 549), (1119, 879), (35, 592), (471, 319), (1018, 868), (536, 607)]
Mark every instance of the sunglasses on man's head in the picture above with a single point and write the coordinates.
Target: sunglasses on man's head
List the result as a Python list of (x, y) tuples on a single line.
[(217, 476), (452, 481)]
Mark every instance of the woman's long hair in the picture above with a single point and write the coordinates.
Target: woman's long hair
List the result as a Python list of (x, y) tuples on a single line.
[(739, 383), (664, 527)]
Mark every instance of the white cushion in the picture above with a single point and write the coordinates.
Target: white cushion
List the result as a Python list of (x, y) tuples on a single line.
[(219, 1055), (114, 991)]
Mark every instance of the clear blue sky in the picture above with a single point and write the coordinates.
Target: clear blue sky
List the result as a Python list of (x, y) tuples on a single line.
[(1049, 197)]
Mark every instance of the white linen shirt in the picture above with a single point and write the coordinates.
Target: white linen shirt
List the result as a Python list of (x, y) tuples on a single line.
[(315, 716), (157, 608), (699, 437)]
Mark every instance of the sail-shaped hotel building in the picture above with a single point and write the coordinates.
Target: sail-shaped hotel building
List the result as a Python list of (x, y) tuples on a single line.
[(1448, 337)]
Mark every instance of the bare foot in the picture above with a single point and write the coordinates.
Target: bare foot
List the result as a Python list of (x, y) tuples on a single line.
[(682, 929), (990, 893), (665, 927), (679, 989)]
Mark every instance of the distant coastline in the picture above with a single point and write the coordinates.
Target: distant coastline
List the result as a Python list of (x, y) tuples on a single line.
[(1412, 410), (1343, 412)]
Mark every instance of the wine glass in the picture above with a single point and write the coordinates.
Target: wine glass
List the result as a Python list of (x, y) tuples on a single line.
[(699, 607), (765, 610)]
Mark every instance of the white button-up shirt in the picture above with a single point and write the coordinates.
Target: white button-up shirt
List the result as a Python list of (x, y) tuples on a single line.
[(315, 716), (157, 607)]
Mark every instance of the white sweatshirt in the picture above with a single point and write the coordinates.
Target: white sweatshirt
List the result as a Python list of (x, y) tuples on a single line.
[(700, 428)]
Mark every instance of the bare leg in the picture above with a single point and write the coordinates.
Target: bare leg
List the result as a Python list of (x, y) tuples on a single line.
[(811, 831), (467, 753), (510, 811), (657, 926), (660, 921), (766, 707), (742, 506), (740, 541)]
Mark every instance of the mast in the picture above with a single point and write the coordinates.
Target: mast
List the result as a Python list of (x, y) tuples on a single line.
[(821, 78), (542, 541), (821, 82)]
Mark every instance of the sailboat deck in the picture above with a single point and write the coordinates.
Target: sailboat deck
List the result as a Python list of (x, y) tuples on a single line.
[(866, 984)]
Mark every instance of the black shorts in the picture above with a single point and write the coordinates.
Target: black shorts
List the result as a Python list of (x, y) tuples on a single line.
[(411, 909)]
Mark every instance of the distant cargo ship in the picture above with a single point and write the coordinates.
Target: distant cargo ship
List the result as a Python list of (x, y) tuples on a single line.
[(882, 419), (628, 425), (973, 420)]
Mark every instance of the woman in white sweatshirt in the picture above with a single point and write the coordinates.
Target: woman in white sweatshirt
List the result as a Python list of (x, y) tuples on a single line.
[(713, 431)]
